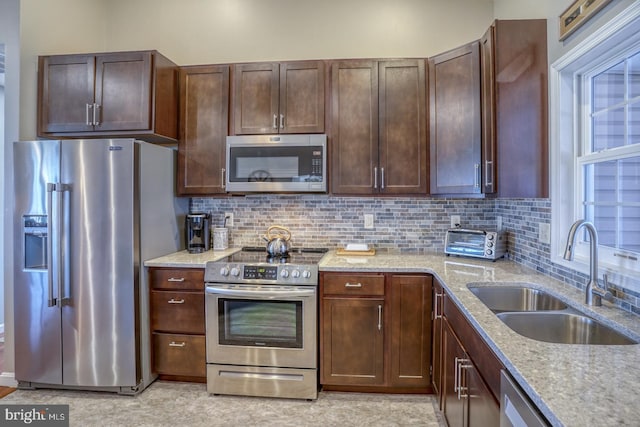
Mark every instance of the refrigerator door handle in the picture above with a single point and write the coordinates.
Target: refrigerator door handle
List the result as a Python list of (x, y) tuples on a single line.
[(60, 189), (51, 301)]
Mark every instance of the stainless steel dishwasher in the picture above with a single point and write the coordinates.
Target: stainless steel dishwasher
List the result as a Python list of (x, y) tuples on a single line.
[(516, 410)]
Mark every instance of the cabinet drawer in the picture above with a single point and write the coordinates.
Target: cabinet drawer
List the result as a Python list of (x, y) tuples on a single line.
[(353, 284), (177, 278), (177, 312), (175, 354)]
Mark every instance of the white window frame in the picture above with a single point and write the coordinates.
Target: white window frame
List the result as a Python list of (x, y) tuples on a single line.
[(567, 77)]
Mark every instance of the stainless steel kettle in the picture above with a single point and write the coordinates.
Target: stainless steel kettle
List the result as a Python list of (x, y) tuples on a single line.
[(277, 242)]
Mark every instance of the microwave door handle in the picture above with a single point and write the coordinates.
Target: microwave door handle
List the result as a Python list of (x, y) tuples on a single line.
[(273, 294)]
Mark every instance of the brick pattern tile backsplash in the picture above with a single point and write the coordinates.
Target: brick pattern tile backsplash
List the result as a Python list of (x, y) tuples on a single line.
[(400, 223)]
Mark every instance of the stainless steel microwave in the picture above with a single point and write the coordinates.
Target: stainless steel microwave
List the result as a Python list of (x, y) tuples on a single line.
[(475, 243), (277, 163)]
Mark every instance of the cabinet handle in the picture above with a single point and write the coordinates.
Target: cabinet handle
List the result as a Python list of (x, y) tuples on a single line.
[(96, 114), (382, 178), (87, 108), (476, 178), (488, 171), (176, 301), (281, 121), (463, 364), (379, 317), (353, 285), (177, 344), (175, 279), (375, 177), (275, 121), (223, 174), (455, 375), (436, 314)]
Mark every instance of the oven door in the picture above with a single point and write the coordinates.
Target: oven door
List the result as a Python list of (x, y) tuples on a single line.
[(261, 325)]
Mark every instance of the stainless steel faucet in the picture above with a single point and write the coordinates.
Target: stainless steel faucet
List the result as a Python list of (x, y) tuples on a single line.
[(594, 293)]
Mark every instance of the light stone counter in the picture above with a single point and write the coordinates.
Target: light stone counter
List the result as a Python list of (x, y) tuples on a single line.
[(573, 385), (184, 259)]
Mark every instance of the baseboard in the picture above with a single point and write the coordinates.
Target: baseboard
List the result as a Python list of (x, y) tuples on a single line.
[(8, 379)]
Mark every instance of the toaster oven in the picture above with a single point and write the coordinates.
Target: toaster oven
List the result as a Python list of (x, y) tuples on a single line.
[(475, 243)]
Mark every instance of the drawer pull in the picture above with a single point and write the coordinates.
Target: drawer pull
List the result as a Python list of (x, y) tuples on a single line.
[(176, 301), (353, 285), (175, 279), (177, 344)]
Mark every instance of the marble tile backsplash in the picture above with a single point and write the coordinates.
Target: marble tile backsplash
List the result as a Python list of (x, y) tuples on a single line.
[(400, 223)]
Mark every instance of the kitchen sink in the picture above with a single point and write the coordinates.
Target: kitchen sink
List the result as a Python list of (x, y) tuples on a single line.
[(539, 315), (563, 328), (516, 298)]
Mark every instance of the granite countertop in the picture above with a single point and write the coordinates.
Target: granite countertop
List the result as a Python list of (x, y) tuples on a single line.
[(184, 259), (573, 385)]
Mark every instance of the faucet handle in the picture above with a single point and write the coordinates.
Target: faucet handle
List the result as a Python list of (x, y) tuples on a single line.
[(604, 292)]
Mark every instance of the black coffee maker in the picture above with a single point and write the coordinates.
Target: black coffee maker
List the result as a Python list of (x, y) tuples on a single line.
[(197, 229)]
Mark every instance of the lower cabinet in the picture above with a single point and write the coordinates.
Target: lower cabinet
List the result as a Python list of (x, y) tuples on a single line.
[(375, 332), (467, 375), (178, 324)]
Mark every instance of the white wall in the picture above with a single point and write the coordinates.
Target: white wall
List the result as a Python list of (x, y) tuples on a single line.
[(10, 37)]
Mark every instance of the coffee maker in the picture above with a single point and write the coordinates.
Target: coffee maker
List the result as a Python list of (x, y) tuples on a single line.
[(197, 229)]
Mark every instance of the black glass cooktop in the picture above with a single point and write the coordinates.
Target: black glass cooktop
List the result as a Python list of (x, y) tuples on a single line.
[(258, 254)]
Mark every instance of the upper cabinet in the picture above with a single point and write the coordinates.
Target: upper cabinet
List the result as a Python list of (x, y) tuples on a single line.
[(378, 127), (514, 114), (125, 94), (283, 97), (204, 117), (454, 108)]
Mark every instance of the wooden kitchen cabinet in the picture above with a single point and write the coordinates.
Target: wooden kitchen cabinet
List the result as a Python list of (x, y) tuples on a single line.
[(270, 98), (375, 332), (378, 127), (515, 109), (455, 121), (466, 371), (178, 323), (124, 94), (204, 126)]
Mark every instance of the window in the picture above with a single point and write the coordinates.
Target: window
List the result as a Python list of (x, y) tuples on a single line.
[(595, 147), (608, 160)]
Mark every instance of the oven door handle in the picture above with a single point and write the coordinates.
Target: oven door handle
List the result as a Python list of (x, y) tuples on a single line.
[(288, 293)]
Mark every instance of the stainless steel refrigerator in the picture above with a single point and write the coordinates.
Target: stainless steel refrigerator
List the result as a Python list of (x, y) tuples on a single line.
[(87, 215)]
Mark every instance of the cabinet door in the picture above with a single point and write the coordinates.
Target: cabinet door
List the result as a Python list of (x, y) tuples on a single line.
[(301, 97), (403, 127), (354, 127), (483, 410), (204, 116), (66, 93), (352, 341), (436, 357), (454, 105), (410, 330), (487, 73), (123, 91), (452, 352), (255, 98), (179, 355)]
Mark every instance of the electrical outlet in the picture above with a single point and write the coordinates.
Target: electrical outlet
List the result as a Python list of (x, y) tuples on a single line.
[(455, 221), (368, 220), (228, 216), (544, 233)]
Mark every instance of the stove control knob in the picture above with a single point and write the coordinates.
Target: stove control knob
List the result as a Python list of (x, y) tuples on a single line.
[(284, 273), (235, 272), (224, 271), (295, 274), (306, 274)]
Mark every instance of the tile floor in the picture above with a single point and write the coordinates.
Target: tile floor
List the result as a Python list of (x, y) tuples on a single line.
[(177, 404)]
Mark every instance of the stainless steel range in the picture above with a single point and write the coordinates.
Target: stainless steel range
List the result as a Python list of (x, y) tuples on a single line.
[(262, 324)]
